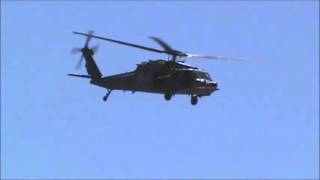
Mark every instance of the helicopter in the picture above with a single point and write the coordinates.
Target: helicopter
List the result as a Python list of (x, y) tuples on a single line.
[(168, 77)]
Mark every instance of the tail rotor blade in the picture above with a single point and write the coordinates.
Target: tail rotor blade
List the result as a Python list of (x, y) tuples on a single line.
[(75, 50), (95, 48), (79, 62), (90, 33)]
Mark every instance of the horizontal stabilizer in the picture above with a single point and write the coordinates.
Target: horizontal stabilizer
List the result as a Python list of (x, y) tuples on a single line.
[(79, 75)]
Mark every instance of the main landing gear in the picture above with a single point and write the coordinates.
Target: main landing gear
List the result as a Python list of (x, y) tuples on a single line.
[(194, 99), (107, 95)]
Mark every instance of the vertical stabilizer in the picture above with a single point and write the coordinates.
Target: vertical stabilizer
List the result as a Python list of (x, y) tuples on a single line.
[(87, 54)]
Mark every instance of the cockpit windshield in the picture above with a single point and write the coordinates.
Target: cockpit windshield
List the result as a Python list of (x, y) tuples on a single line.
[(204, 75)]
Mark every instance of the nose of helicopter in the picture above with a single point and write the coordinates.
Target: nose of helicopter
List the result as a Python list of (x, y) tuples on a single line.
[(214, 85)]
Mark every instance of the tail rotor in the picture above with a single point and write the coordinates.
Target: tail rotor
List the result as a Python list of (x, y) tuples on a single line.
[(85, 50)]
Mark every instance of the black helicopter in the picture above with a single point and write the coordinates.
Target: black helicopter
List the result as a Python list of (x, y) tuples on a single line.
[(168, 77)]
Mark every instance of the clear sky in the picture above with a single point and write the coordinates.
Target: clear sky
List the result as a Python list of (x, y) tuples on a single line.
[(263, 123)]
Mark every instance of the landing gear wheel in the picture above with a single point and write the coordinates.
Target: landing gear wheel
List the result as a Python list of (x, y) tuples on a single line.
[(167, 96), (194, 100), (104, 98)]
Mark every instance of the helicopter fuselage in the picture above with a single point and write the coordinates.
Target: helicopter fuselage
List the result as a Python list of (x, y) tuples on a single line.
[(154, 76)]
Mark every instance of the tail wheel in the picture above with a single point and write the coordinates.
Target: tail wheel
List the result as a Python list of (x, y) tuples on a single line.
[(105, 98), (194, 99), (167, 96)]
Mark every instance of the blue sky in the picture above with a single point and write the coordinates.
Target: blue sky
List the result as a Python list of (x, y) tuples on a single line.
[(263, 123)]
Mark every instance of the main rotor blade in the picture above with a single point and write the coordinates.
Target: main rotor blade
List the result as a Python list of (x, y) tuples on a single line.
[(121, 42), (163, 44), (200, 56)]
